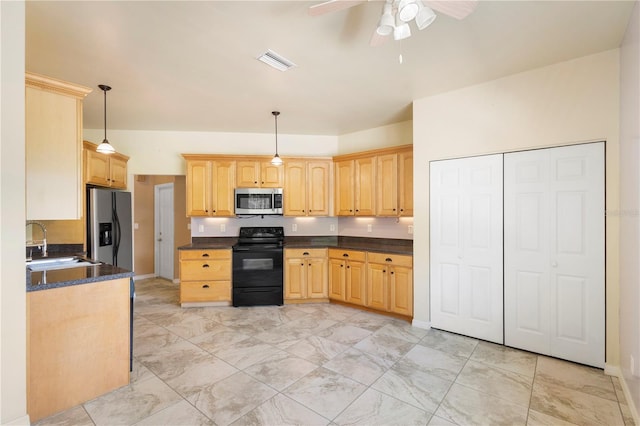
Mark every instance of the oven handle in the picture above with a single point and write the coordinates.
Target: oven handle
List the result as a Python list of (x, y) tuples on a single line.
[(255, 290)]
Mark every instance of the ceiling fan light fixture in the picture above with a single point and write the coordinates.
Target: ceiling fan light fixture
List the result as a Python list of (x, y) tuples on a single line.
[(401, 30), (386, 24), (276, 160), (425, 17), (105, 147), (407, 10)]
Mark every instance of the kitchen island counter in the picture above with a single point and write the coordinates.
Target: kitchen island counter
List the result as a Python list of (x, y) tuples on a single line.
[(57, 278)]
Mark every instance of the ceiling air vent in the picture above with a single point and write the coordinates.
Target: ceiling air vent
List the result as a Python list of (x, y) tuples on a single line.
[(276, 61)]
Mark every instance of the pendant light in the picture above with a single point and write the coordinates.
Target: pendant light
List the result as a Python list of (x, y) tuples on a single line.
[(105, 147), (276, 160)]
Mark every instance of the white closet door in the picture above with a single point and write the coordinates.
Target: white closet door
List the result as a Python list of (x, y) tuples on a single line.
[(554, 252), (466, 246)]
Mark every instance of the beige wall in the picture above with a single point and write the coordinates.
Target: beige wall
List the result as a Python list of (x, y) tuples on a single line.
[(143, 213), (630, 207), (379, 137), (158, 152), (570, 102), (13, 402)]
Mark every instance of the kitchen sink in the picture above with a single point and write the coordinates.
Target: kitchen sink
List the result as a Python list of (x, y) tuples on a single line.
[(59, 263)]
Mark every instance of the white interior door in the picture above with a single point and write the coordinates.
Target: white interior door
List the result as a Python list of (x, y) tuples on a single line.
[(554, 252), (466, 266), (164, 230)]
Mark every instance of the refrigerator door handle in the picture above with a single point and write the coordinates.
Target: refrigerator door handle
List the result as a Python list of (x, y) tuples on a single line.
[(117, 231)]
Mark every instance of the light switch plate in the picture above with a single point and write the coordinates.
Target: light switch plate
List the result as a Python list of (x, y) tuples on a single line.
[(200, 228), (369, 227)]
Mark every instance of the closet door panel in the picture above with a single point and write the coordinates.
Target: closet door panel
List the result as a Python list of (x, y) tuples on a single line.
[(554, 252), (526, 249), (577, 255), (466, 246)]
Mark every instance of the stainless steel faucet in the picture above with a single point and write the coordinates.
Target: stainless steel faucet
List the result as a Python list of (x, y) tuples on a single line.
[(35, 243)]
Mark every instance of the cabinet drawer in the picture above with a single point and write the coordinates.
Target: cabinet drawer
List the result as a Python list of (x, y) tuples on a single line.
[(198, 270), (390, 259), (350, 254), (205, 254), (297, 253), (205, 291)]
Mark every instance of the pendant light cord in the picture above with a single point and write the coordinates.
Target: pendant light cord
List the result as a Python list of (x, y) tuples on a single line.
[(276, 114), (105, 113)]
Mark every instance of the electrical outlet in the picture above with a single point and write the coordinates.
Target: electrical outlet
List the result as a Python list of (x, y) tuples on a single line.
[(223, 227), (189, 226), (294, 227), (332, 227), (136, 225), (369, 227), (410, 229), (200, 228)]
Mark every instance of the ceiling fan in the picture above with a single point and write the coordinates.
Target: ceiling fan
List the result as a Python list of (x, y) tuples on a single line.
[(396, 14)]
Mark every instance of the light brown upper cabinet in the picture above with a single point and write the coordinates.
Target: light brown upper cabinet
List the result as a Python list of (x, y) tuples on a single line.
[(307, 187), (394, 189), (108, 170), (355, 186), (375, 183), (53, 148), (258, 174), (210, 185), (405, 182)]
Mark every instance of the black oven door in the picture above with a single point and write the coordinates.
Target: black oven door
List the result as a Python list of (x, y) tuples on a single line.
[(257, 276)]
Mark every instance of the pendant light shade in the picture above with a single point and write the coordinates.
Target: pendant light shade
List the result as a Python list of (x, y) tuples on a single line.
[(105, 147), (276, 160)]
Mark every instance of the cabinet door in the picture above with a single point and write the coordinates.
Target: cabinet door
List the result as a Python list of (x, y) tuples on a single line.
[(387, 185), (295, 194), (248, 174), (377, 286), (405, 183), (117, 172), (270, 175), (295, 278), (317, 282), (337, 279), (319, 186), (96, 168), (344, 184), (222, 185), (198, 188), (356, 283), (365, 194), (401, 289), (53, 166)]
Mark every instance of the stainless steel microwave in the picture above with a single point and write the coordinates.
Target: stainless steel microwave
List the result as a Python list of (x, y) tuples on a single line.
[(258, 201)]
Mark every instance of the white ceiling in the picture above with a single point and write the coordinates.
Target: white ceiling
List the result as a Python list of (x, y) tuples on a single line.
[(190, 66)]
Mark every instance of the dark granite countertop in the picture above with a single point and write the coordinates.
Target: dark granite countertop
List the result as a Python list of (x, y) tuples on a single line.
[(56, 278), (380, 245)]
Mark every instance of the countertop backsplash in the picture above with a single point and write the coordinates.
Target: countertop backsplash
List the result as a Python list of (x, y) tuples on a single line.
[(370, 227)]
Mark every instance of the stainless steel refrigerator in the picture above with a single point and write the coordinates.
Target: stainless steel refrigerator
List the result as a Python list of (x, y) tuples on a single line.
[(109, 235)]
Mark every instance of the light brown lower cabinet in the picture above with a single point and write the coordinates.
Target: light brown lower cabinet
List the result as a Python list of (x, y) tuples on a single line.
[(305, 275), (77, 344), (390, 283), (205, 277), (347, 276)]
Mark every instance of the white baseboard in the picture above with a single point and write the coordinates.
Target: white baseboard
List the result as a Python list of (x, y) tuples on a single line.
[(143, 277), (613, 370), (20, 421), (421, 324)]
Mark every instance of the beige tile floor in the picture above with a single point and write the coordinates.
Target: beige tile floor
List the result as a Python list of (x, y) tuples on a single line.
[(325, 364)]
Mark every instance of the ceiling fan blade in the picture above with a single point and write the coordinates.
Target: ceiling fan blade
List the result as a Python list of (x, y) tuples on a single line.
[(332, 6), (377, 39), (458, 9)]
